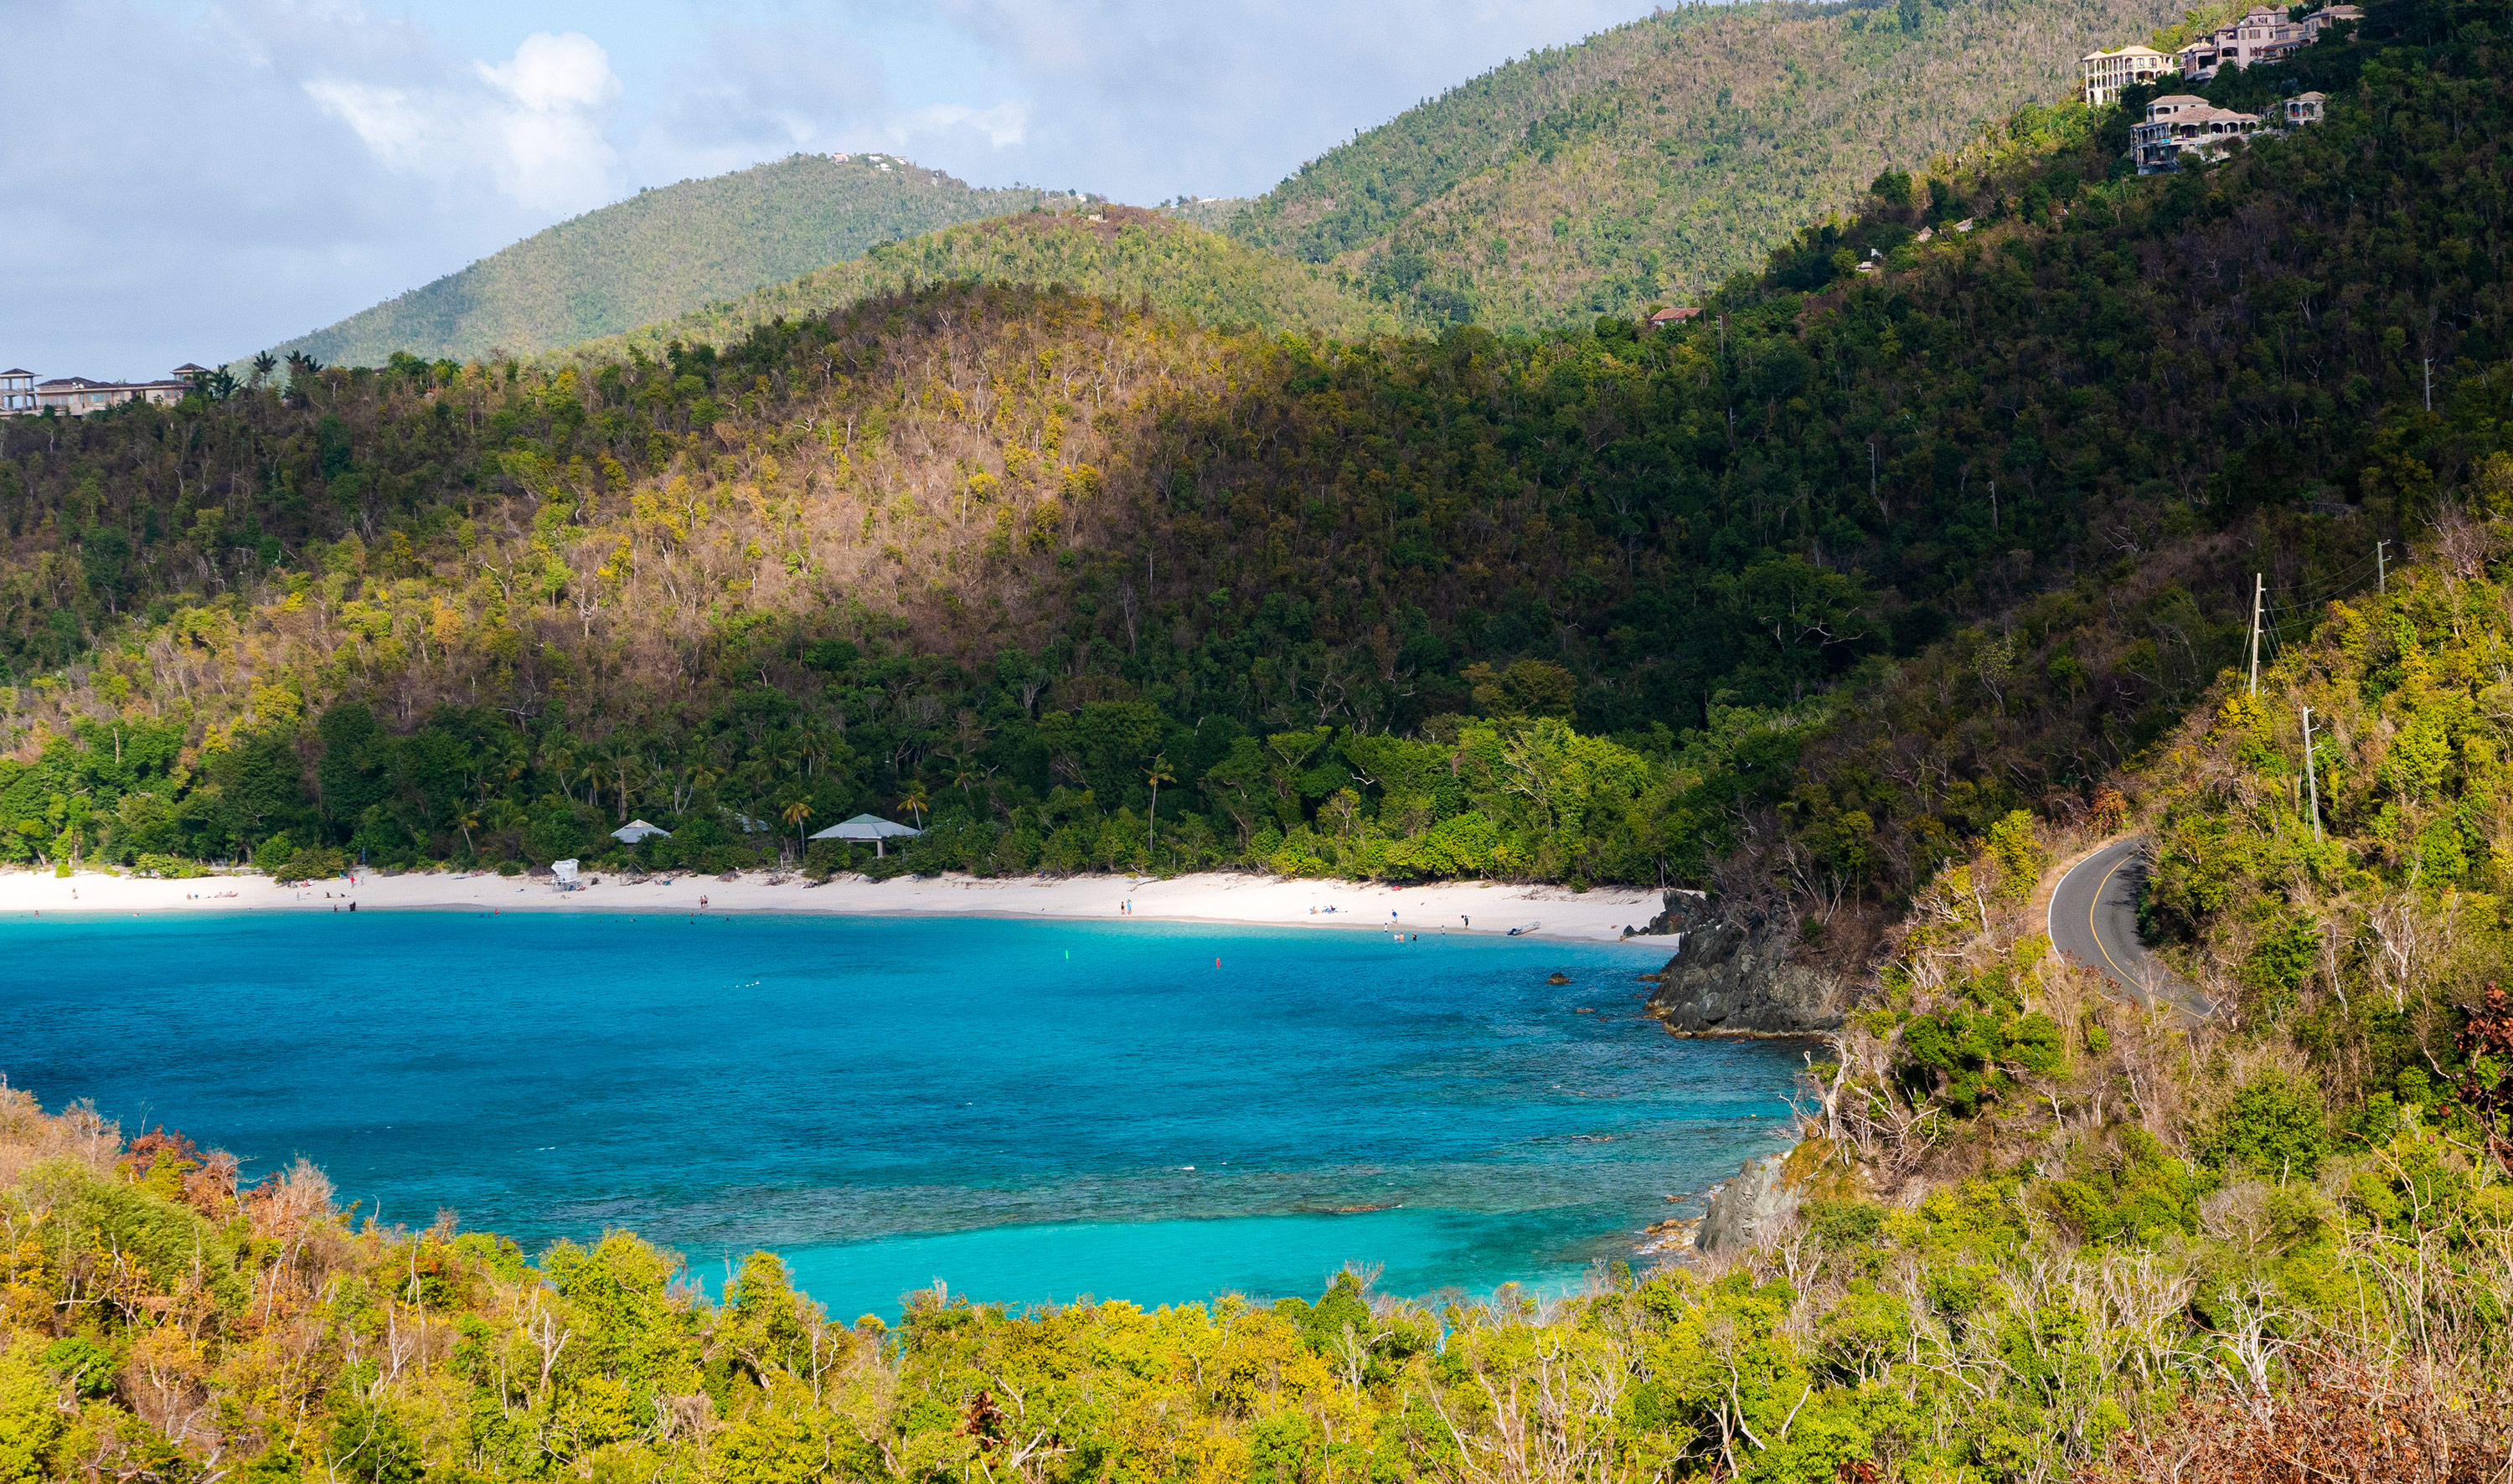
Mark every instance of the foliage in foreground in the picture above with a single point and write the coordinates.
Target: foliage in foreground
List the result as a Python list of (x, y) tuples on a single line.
[(159, 1322)]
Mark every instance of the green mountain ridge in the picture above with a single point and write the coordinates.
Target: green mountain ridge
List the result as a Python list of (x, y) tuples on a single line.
[(1114, 252), (1652, 162), (660, 253), (1643, 164)]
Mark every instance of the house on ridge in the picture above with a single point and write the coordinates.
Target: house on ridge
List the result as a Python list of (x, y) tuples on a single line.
[(2101, 75)]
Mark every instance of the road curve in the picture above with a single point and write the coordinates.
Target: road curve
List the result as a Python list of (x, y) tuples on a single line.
[(2094, 922)]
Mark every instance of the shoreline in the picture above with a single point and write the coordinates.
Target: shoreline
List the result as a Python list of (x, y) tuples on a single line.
[(1214, 898), (1219, 898)]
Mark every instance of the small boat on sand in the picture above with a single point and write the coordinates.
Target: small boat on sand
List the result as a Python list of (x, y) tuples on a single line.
[(1521, 932)]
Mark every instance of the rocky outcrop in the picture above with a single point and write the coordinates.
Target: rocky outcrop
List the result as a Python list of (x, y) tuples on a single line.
[(1745, 1211), (1680, 907), (1740, 976)]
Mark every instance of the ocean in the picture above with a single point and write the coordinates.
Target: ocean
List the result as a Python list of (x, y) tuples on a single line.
[(1024, 1112)]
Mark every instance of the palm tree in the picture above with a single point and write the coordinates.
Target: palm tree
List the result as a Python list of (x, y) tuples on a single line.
[(795, 813), (913, 798), (1158, 775), (262, 366)]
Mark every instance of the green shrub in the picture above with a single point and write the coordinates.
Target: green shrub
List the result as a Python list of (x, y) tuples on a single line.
[(82, 1365), (1843, 1223), (2275, 1126), (274, 854)]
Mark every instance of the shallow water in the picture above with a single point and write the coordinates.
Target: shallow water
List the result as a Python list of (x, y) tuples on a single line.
[(1027, 1110)]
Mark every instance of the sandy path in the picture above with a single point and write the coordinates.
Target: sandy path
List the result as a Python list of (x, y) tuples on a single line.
[(1597, 916)]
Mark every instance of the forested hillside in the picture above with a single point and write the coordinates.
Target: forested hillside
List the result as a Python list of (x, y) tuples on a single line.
[(1117, 252), (1817, 588), (1648, 164), (660, 253)]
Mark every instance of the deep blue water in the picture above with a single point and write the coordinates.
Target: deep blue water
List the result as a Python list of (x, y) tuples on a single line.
[(1029, 1111)]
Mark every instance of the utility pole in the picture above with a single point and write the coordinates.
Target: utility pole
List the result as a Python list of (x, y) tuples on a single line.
[(2429, 383), (2382, 568), (2257, 590), (1993, 504), (2312, 788)]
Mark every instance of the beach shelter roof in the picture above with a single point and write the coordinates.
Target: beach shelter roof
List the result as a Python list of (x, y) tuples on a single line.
[(866, 827), (636, 830)]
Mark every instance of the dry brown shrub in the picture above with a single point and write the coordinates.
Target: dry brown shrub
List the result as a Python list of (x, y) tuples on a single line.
[(28, 1136), (2341, 1419)]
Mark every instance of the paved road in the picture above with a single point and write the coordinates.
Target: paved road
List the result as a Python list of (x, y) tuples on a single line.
[(2094, 922)]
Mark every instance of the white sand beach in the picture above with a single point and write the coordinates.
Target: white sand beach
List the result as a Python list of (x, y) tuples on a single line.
[(1480, 907)]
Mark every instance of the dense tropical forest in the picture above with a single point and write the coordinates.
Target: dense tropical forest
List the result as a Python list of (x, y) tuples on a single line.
[(1646, 163), (1799, 598), (660, 253)]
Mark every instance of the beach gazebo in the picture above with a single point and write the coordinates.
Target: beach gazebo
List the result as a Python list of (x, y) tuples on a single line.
[(871, 827), (636, 830)]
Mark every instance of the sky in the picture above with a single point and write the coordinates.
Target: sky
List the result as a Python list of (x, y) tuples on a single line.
[(195, 181)]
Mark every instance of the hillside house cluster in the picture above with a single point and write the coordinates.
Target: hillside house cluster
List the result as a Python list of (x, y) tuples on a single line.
[(2183, 127), (2264, 34), (23, 396), (2179, 127)]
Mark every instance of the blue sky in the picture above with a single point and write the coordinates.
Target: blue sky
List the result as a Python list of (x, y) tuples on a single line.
[(197, 180)]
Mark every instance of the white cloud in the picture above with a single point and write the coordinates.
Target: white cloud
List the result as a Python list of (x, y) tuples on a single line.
[(534, 125), (1004, 125), (277, 164), (759, 91)]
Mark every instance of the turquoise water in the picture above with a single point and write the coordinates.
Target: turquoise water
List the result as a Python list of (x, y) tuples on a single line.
[(1027, 1111)]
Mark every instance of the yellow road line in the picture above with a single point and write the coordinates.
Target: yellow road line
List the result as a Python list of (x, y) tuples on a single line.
[(2096, 933)]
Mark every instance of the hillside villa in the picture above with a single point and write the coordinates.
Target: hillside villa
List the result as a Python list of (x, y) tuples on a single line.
[(2179, 127), (2105, 73), (2264, 34), (22, 394)]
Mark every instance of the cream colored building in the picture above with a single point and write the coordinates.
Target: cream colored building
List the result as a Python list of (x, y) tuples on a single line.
[(2264, 34), (2101, 75), (17, 392), (79, 396), (2179, 127)]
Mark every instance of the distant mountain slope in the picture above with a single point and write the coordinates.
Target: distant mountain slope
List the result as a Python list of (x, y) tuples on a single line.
[(1654, 160), (660, 253), (1212, 212), (1114, 252), (1354, 193)]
